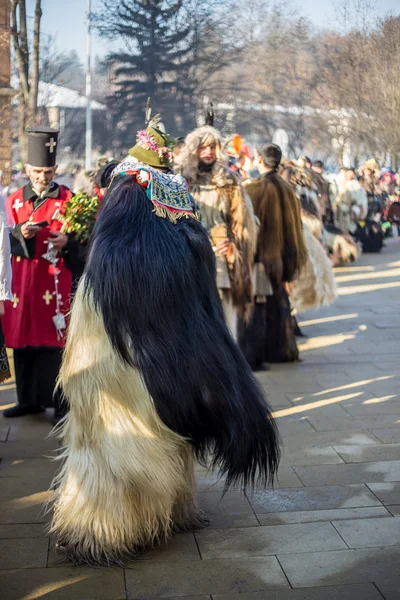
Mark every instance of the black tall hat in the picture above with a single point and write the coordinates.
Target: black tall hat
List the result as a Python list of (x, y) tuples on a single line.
[(42, 146)]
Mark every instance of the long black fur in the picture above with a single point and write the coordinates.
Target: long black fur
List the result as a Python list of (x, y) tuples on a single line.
[(154, 284)]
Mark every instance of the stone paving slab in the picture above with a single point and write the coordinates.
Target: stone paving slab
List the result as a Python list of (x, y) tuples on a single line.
[(264, 541), (387, 493), (331, 423), (390, 589), (313, 498), (221, 576), (29, 428), (387, 435), (385, 404), (356, 454), (231, 511), (63, 584), (210, 482), (312, 456), (313, 516), (395, 510), (28, 509), (24, 467), (34, 449), (318, 439), (23, 553), (23, 530), (350, 473), (361, 591), (4, 431), (369, 533), (341, 566)]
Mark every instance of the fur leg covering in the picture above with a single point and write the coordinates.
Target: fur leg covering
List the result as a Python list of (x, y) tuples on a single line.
[(126, 476)]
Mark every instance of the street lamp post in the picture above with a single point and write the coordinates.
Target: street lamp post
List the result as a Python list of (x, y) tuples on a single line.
[(89, 124)]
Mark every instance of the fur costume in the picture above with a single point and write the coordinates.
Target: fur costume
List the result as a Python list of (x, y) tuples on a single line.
[(315, 286), (237, 209), (341, 247), (269, 336), (280, 243), (153, 378), (352, 206)]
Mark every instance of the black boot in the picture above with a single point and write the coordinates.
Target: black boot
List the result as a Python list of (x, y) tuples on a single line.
[(296, 329), (20, 410)]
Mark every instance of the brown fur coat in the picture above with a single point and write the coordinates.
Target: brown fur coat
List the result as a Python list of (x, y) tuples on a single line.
[(281, 246)]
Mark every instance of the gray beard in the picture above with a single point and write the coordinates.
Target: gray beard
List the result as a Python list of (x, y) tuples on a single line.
[(46, 189)]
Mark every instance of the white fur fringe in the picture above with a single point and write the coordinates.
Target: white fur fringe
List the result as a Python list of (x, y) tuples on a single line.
[(316, 285), (127, 480)]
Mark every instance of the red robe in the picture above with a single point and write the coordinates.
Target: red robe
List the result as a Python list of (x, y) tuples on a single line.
[(28, 320)]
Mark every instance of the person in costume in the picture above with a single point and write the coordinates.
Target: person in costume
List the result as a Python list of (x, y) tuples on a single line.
[(281, 253), (351, 202), (227, 214), (339, 245), (322, 186), (370, 172), (35, 319), (151, 373)]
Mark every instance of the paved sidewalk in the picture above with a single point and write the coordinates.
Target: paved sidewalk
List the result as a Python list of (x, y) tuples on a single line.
[(331, 528)]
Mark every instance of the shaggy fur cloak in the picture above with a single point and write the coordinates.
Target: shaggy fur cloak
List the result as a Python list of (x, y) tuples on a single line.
[(269, 335), (315, 286), (152, 377), (280, 246)]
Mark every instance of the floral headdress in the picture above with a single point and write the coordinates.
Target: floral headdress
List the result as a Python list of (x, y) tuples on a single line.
[(153, 146)]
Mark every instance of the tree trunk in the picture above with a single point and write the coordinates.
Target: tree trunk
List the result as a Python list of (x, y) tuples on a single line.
[(28, 68), (22, 134)]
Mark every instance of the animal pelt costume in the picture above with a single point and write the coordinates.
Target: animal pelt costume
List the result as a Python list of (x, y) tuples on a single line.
[(341, 247), (232, 206), (315, 287), (269, 336), (153, 379)]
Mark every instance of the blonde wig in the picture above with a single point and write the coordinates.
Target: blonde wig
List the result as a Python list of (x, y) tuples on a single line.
[(204, 136)]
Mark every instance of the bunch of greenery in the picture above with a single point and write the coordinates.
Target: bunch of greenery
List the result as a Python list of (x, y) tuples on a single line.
[(80, 216)]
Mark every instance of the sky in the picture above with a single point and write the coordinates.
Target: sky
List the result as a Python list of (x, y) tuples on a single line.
[(67, 20)]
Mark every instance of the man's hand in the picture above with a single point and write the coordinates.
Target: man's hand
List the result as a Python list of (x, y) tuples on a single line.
[(29, 232), (1, 308), (223, 247), (58, 239)]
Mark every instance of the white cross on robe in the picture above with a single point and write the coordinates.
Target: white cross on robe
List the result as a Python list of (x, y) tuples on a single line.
[(17, 205)]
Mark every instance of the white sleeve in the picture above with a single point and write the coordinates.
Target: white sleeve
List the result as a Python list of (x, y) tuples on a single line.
[(5, 262)]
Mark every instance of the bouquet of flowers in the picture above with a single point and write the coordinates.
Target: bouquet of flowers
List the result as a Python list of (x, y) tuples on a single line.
[(80, 216)]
